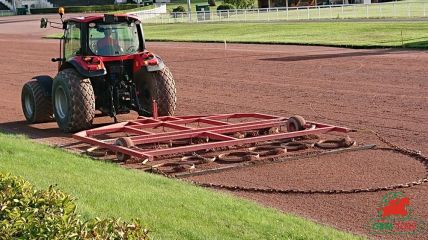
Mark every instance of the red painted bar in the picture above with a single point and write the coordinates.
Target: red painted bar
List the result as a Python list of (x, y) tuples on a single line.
[(268, 123), (216, 136), (113, 147), (213, 122), (130, 129), (195, 132)]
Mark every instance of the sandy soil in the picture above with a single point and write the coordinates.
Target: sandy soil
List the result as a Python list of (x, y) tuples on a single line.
[(381, 89)]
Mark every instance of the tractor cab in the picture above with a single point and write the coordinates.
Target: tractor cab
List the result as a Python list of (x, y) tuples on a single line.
[(103, 66), (108, 35)]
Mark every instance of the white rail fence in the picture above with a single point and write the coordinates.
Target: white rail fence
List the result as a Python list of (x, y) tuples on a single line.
[(151, 13), (6, 13), (323, 12)]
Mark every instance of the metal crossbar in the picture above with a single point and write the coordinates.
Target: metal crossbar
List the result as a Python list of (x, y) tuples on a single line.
[(218, 131)]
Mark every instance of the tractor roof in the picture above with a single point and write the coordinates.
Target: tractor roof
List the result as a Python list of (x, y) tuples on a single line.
[(88, 19)]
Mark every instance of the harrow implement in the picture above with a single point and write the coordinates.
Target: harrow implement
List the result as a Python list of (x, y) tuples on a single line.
[(142, 138)]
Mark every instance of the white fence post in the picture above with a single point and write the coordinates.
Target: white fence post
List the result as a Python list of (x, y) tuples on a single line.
[(425, 14), (308, 14), (408, 9), (367, 11), (319, 12), (287, 11), (355, 11), (394, 10)]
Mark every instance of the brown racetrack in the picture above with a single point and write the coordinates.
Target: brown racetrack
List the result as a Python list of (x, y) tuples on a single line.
[(381, 89)]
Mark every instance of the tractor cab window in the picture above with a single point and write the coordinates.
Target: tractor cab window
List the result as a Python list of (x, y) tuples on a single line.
[(114, 39), (71, 40)]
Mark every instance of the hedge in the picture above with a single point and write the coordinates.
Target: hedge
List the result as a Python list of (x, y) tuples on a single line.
[(26, 213), (93, 8)]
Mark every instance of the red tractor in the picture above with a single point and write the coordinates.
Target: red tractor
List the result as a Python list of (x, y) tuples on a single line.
[(103, 66)]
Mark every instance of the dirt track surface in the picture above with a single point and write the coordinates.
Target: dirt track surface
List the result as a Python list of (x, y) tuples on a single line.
[(381, 89)]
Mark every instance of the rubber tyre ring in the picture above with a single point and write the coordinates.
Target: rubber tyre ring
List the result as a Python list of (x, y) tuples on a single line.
[(294, 146), (37, 108), (296, 123), (235, 157), (123, 142), (73, 101), (268, 150)]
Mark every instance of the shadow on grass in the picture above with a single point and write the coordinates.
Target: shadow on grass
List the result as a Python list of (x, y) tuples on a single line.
[(37, 131), (48, 132), (417, 44), (376, 52)]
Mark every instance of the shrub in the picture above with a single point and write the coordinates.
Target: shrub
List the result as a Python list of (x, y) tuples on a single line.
[(26, 213), (211, 3), (225, 6), (241, 4), (179, 9), (178, 12)]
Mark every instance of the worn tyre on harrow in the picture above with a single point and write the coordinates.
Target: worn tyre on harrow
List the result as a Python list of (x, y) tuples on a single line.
[(158, 86), (296, 123), (73, 101), (37, 107)]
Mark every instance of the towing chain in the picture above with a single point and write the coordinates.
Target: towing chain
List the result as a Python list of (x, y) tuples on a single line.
[(391, 147)]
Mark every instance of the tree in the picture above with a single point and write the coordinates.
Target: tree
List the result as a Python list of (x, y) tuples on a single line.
[(241, 4)]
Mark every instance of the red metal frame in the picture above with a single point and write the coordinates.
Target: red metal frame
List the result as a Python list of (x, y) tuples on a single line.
[(217, 128)]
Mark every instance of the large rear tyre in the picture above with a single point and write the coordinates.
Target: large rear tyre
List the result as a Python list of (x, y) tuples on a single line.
[(73, 101), (36, 106), (159, 86)]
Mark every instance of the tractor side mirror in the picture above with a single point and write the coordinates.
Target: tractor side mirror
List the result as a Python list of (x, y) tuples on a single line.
[(43, 23)]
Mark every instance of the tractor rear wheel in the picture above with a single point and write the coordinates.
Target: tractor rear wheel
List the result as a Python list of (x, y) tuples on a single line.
[(73, 101), (158, 86), (36, 106)]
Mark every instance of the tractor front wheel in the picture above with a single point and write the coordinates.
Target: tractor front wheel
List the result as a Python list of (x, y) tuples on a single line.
[(158, 86), (73, 101), (36, 106)]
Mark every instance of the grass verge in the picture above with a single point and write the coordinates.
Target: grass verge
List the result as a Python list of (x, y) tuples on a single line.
[(340, 34), (343, 34), (171, 209)]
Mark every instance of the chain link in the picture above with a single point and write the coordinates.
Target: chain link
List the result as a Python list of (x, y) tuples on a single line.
[(391, 147)]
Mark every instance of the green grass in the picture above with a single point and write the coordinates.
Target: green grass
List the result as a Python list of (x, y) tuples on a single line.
[(343, 34), (171, 209), (347, 34)]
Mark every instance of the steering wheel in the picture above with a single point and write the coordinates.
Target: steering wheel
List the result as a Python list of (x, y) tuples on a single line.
[(131, 49), (94, 48)]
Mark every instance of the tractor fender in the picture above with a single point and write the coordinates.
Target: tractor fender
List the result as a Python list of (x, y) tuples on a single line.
[(46, 83), (85, 69), (159, 66)]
